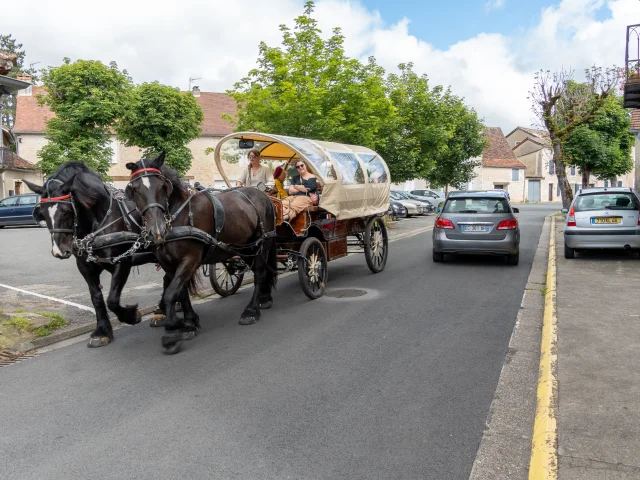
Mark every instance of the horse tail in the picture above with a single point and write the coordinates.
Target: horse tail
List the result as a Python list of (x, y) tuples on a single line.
[(194, 284)]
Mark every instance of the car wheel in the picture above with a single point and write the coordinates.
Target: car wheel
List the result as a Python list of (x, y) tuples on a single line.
[(42, 224), (513, 259), (569, 252), (438, 256)]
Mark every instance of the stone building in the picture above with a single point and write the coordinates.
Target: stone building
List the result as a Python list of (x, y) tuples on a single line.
[(31, 121)]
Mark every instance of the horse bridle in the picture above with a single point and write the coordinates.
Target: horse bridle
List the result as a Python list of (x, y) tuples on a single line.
[(152, 172), (68, 198)]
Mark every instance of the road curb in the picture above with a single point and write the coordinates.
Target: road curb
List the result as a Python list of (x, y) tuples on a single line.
[(544, 456)]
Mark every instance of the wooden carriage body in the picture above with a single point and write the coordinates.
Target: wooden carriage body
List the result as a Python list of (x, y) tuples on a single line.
[(354, 186)]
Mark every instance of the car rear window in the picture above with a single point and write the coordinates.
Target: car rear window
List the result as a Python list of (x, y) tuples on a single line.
[(609, 201), (476, 205)]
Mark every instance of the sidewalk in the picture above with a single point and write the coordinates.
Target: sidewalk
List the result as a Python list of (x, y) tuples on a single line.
[(598, 311)]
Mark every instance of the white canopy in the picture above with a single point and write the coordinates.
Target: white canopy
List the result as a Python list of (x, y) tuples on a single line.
[(355, 180)]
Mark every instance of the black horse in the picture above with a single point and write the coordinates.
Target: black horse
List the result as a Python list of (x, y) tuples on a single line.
[(82, 211), (188, 230)]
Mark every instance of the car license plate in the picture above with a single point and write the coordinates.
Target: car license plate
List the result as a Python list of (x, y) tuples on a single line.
[(475, 228), (600, 220)]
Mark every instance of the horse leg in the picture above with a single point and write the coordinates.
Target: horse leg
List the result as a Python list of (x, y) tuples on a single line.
[(129, 314), (173, 338), (251, 312), (268, 276), (159, 315), (103, 334), (191, 319)]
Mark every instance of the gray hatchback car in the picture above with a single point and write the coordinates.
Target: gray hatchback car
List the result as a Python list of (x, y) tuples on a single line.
[(477, 222), (602, 218)]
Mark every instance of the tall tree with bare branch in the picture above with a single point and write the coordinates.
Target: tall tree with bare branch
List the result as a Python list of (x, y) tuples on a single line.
[(561, 109)]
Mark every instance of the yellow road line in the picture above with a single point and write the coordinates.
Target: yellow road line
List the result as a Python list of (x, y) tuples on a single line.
[(543, 464)]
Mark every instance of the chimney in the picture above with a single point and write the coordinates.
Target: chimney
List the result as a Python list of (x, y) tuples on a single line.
[(196, 91)]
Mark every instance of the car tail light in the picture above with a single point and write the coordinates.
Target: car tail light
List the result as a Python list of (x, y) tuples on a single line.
[(510, 224), (444, 223), (571, 219)]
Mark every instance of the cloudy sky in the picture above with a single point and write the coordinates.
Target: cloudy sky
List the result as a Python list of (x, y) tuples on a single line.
[(487, 50)]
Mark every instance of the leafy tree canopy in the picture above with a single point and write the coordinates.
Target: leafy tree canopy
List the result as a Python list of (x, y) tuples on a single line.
[(160, 118), (309, 88), (602, 146), (87, 97)]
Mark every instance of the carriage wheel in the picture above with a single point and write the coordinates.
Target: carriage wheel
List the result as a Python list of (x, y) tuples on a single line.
[(376, 245), (225, 279), (312, 268)]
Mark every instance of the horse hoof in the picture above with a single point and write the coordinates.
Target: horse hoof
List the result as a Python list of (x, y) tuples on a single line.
[(249, 319), (158, 320), (172, 349), (138, 317), (96, 342), (266, 305), (189, 335)]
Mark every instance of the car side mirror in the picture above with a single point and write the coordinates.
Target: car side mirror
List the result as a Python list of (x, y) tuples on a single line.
[(565, 210), (516, 210), (438, 210)]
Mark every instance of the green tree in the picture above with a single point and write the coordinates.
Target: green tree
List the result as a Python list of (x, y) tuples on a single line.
[(87, 97), (602, 146), (455, 161), (160, 118), (432, 135), (8, 102), (562, 105), (309, 88)]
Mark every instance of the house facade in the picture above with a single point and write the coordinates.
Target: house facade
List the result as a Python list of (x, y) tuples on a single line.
[(533, 148), (14, 169), (31, 121)]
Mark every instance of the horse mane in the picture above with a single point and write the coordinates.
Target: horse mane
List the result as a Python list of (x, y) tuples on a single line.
[(89, 186), (173, 176)]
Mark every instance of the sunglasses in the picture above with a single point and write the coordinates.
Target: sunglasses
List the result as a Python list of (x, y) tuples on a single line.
[(252, 156), (299, 166)]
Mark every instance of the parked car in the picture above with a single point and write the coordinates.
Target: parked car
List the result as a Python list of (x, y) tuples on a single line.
[(427, 206), (413, 208), (396, 210), (477, 223), (18, 210), (600, 218), (431, 196)]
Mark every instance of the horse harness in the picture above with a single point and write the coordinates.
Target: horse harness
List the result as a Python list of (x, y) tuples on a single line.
[(190, 232), (94, 241)]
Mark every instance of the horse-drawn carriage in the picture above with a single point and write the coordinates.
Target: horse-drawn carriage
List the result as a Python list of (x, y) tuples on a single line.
[(353, 196)]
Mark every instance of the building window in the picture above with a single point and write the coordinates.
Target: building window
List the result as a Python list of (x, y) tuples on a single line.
[(558, 190), (114, 147), (619, 183), (573, 170), (515, 174), (552, 169), (606, 184)]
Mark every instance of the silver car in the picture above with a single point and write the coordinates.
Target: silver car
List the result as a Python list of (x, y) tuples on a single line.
[(477, 222), (413, 208), (602, 218)]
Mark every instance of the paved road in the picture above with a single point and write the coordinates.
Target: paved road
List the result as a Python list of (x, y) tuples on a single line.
[(394, 384)]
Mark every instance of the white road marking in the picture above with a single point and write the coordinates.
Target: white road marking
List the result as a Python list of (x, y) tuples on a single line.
[(59, 300), (145, 182)]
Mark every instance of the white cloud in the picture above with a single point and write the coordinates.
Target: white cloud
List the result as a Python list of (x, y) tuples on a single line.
[(493, 5), (218, 41)]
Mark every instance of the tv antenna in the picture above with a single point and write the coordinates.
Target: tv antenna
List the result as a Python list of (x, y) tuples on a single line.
[(191, 80)]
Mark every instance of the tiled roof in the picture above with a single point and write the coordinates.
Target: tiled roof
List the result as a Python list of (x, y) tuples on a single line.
[(537, 142), (8, 159), (31, 118), (499, 153), (635, 119), (542, 134)]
